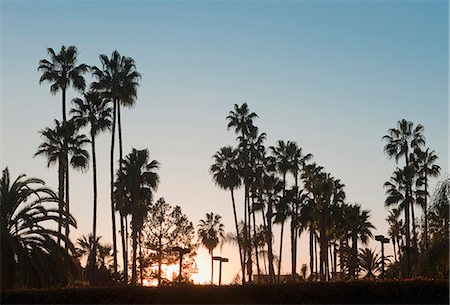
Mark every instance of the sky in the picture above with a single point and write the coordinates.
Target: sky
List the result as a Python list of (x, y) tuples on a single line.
[(331, 75)]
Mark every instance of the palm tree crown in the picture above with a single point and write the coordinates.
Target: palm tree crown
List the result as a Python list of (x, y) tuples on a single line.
[(30, 255)]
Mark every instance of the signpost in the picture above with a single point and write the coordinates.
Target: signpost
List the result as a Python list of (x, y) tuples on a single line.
[(383, 240), (221, 260), (181, 251)]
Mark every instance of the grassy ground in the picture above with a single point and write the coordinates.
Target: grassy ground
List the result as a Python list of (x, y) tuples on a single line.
[(355, 292)]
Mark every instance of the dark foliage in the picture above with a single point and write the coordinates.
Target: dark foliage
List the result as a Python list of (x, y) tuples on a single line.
[(353, 292)]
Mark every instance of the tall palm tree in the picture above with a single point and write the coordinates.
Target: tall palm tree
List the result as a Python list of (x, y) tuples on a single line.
[(272, 187), (401, 141), (241, 119), (64, 142), (211, 234), (63, 72), (117, 80), (30, 255), (94, 111), (283, 162), (139, 180), (225, 171), (426, 168), (298, 161)]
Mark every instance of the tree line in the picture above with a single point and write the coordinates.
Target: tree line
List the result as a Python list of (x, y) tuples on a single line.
[(314, 202), (281, 185)]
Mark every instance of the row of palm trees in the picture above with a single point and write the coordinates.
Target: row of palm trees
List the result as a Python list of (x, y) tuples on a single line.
[(408, 187), (314, 202), (99, 109)]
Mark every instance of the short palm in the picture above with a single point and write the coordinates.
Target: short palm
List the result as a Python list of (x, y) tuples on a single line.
[(30, 255)]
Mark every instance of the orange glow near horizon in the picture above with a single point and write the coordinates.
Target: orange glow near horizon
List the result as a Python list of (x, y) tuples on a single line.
[(171, 272)]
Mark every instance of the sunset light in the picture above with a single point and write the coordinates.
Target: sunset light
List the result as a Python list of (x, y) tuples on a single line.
[(224, 152)]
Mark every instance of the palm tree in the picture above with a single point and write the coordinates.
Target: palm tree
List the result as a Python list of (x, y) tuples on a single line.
[(370, 262), (425, 169), (118, 82), (211, 234), (100, 261), (58, 142), (94, 111), (241, 119), (298, 161), (62, 72), (283, 163), (225, 173), (313, 176), (30, 255), (360, 229), (394, 229), (138, 180), (271, 187), (400, 142)]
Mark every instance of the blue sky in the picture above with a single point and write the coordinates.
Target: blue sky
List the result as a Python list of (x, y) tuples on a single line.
[(331, 75)]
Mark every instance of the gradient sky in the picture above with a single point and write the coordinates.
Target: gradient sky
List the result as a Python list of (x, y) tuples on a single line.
[(331, 75)]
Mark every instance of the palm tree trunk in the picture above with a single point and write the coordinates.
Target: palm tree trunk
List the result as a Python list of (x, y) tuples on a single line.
[(293, 262), (245, 241), (255, 242), (140, 260), (113, 214), (393, 243), (94, 222), (425, 211), (407, 238), (124, 252), (67, 197), (212, 267), (282, 229), (133, 268), (281, 251), (249, 238), (408, 201), (315, 258), (125, 217), (354, 253), (311, 252), (66, 164), (238, 237), (413, 226), (60, 197), (119, 122), (269, 242)]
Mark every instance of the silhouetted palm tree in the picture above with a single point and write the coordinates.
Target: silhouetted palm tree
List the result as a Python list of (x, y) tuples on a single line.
[(369, 262), (426, 168), (401, 141), (139, 180), (225, 171), (95, 112), (58, 141), (30, 256), (283, 163), (211, 234), (271, 187), (298, 161), (241, 119), (63, 72), (394, 229), (360, 229), (118, 82)]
